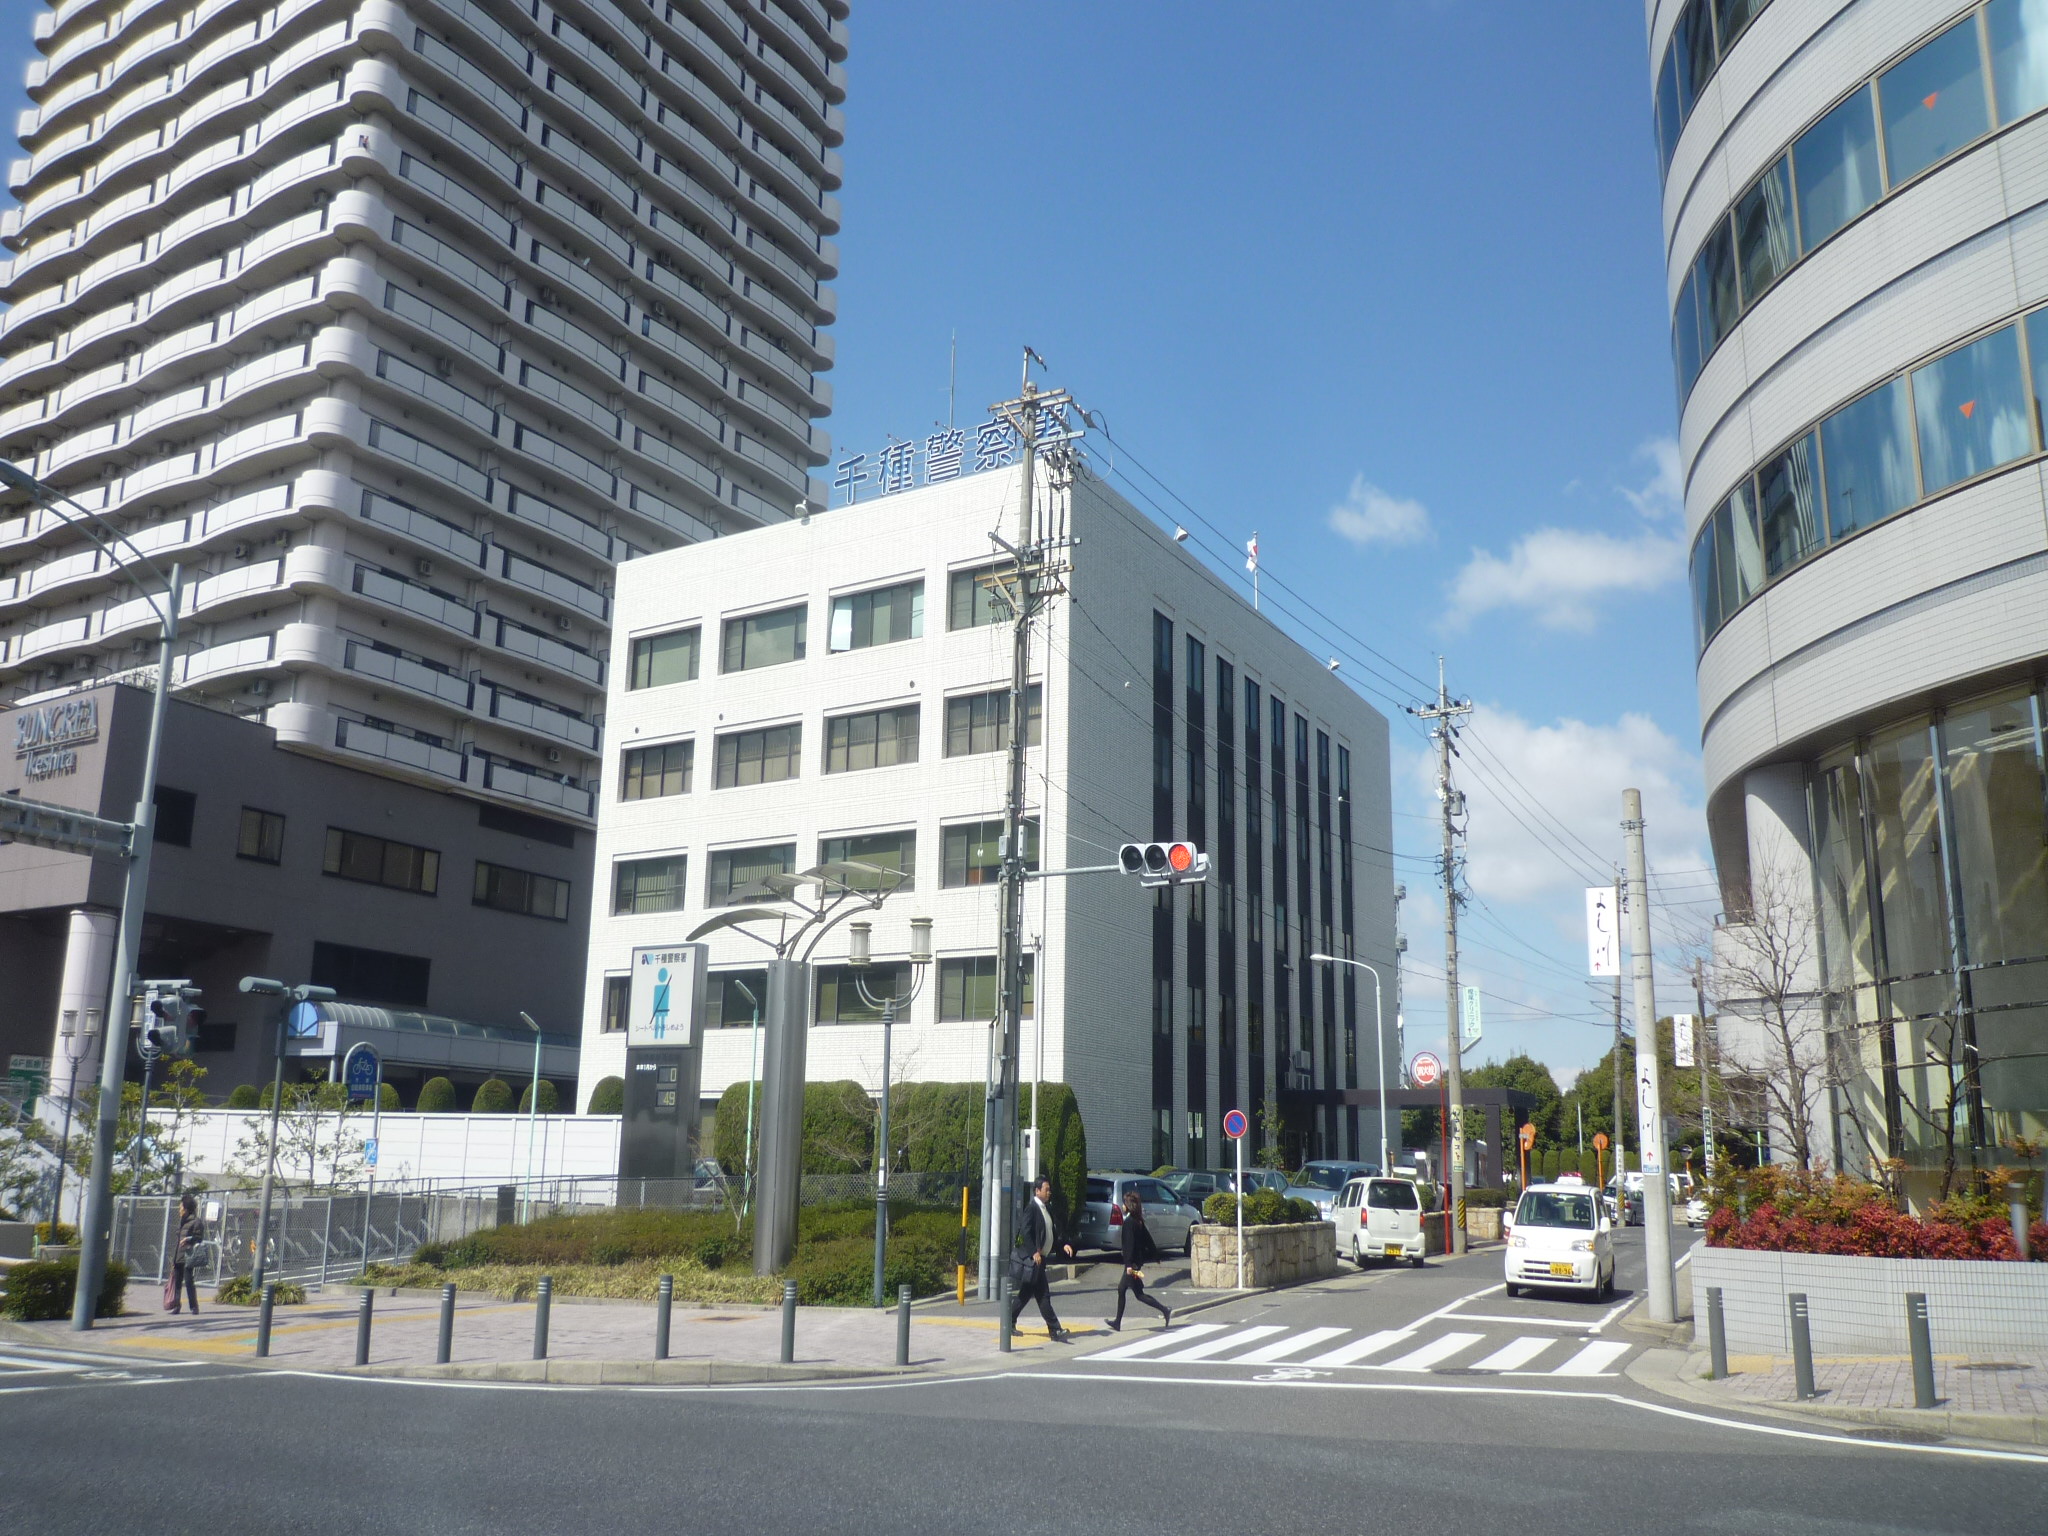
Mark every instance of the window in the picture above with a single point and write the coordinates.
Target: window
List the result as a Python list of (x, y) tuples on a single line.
[(759, 757), (880, 617), (884, 850), (1787, 508), (980, 722), (839, 993), (650, 773), (1685, 336), (736, 869), (764, 640), (1835, 164), (972, 853), (521, 891), (371, 975), (2019, 61), (1932, 101), (659, 660), (970, 989), (881, 738), (618, 997), (1765, 241), (172, 824), (1867, 451), (1720, 302), (648, 885), (378, 861), (1972, 410), (262, 836), (975, 597), (733, 998), (537, 829), (1737, 554)]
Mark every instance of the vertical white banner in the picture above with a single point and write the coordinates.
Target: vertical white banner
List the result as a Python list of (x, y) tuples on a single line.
[(1681, 1039), (1603, 931), (1649, 1119), (1469, 1024)]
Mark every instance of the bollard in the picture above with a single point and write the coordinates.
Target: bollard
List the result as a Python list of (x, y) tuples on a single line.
[(903, 1325), (1003, 1316), (1918, 1336), (664, 1298), (263, 1320), (363, 1327), (541, 1302), (788, 1321), (1802, 1347), (1717, 1337), (2018, 1211), (446, 1346)]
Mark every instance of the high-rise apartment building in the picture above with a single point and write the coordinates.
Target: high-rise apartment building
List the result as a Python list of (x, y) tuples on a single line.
[(1858, 271), (398, 327)]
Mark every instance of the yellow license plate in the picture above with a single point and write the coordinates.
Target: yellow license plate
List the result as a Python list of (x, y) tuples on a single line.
[(1561, 1269)]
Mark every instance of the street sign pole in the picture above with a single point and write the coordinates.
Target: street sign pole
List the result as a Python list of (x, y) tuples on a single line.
[(1234, 1126)]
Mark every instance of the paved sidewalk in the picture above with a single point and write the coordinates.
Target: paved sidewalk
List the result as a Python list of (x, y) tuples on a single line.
[(2014, 1384)]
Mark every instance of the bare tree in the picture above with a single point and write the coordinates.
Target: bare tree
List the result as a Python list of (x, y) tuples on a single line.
[(1764, 974), (314, 1136)]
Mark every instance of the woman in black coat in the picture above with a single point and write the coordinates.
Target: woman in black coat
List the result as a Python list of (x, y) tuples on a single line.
[(1139, 1250), (191, 1231)]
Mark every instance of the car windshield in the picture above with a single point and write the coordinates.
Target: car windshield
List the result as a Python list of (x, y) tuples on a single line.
[(1543, 1208), (1392, 1195), (1323, 1176)]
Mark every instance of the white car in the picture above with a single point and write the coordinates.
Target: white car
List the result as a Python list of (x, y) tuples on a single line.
[(1562, 1240), (1696, 1211), (1379, 1218)]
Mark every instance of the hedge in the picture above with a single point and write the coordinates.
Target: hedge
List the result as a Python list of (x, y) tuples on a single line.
[(493, 1097), (550, 1100), (1262, 1208), (608, 1097), (1786, 1211), (437, 1097), (243, 1097), (43, 1291)]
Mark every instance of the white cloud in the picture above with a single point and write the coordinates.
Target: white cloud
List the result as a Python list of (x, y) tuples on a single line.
[(1370, 516), (1663, 495), (1561, 574)]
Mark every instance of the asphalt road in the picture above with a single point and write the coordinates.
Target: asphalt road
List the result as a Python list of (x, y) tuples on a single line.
[(1058, 1444)]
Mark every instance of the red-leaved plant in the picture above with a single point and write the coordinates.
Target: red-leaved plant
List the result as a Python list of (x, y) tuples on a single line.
[(1784, 1211)]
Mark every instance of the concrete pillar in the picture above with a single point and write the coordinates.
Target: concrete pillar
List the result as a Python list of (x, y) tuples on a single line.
[(785, 1020), (81, 1022)]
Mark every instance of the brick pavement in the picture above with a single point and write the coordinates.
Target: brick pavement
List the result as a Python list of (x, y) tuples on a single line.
[(2003, 1384)]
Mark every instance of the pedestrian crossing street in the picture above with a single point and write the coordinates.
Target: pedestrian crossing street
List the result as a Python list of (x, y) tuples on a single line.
[(1391, 1349)]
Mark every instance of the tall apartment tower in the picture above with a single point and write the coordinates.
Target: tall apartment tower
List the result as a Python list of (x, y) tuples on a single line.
[(1858, 271), (398, 327)]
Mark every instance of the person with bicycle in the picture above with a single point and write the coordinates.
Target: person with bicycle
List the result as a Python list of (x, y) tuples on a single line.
[(184, 1259)]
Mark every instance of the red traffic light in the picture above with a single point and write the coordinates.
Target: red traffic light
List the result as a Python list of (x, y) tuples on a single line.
[(1163, 863), (1180, 857)]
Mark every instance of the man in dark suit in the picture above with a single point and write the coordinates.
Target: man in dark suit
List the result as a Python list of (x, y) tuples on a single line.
[(1039, 1240)]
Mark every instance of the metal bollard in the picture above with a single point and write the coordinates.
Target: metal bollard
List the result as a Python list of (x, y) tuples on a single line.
[(446, 1346), (2018, 1212), (541, 1301), (1802, 1348), (664, 1298), (1003, 1317), (788, 1321), (903, 1325), (363, 1327), (1918, 1335), (1717, 1337), (263, 1319)]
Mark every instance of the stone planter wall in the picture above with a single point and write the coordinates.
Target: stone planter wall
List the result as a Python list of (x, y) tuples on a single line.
[(1858, 1306), (1277, 1255), (1483, 1222)]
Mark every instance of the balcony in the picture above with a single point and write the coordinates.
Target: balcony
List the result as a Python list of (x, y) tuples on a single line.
[(553, 584), (517, 640), (403, 672), (422, 527), (411, 597), (529, 508), (407, 751), (508, 780), (235, 656), (531, 715)]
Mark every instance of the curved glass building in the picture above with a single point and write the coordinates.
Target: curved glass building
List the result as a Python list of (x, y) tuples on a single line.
[(1855, 219)]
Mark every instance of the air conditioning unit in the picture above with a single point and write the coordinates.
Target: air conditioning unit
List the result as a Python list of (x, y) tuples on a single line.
[(561, 621), (443, 366), (423, 566), (259, 686), (549, 297), (554, 754), (241, 551), (1303, 1062)]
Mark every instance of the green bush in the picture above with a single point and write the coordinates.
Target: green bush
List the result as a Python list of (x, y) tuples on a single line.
[(609, 1096), (839, 1128), (1262, 1208), (1062, 1151), (550, 1100), (437, 1097), (1487, 1198), (243, 1097), (240, 1291), (42, 1291), (66, 1233), (842, 1273), (493, 1097), (387, 1098)]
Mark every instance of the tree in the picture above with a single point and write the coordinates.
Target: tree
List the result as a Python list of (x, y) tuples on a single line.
[(317, 1134), (493, 1097), (1528, 1075), (550, 1100), (607, 1098), (1763, 975), (21, 1168), (437, 1097)]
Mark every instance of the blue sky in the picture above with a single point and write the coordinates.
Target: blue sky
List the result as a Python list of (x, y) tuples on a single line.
[(1378, 279)]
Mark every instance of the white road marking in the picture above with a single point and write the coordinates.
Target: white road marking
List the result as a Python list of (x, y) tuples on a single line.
[(1358, 1349), (1428, 1355), (1515, 1355), (1160, 1340), (1211, 1347), (1578, 1324), (1593, 1360), (1449, 1307), (20, 1364), (1280, 1349)]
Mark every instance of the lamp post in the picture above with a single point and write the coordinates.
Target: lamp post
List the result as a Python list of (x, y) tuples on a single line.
[(70, 1032), (1379, 1035), (263, 986), (753, 1080), (859, 934), (532, 1119)]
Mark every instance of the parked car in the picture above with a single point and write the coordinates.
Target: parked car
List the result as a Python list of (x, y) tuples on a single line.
[(1562, 1239), (1170, 1218), (1320, 1181), (1256, 1179), (1625, 1210), (1196, 1187), (1379, 1218), (1696, 1211)]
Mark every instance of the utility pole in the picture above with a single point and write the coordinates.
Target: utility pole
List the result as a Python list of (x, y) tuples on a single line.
[(1620, 1136), (1445, 712), (1649, 1091), (1706, 1068)]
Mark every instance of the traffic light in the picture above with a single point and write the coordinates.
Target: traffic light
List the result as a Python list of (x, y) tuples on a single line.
[(1163, 863), (170, 1021)]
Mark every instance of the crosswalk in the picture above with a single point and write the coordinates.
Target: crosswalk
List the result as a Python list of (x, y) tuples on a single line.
[(29, 1365), (1388, 1349)]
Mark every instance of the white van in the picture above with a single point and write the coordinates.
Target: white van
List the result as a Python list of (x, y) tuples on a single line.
[(1562, 1239), (1379, 1218)]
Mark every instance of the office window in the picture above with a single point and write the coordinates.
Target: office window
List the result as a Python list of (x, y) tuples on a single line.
[(662, 659), (1716, 292), (1835, 165), (884, 850), (1866, 450), (970, 989), (618, 997), (972, 852), (880, 738), (764, 639), (262, 836), (733, 998), (880, 617), (378, 861), (735, 869), (521, 891), (975, 597), (980, 722), (649, 773), (371, 975), (759, 757), (649, 885), (1766, 243), (2019, 64), (537, 829), (1972, 410), (172, 825), (1932, 101), (1788, 507), (839, 992)]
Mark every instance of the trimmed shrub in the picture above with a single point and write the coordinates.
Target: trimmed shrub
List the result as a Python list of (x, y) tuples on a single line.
[(240, 1291), (839, 1128), (243, 1097), (66, 1233), (1785, 1211), (608, 1097), (1488, 1199), (1062, 1151), (1262, 1208), (437, 1097), (493, 1097), (42, 1291), (842, 1273), (550, 1100), (387, 1098)]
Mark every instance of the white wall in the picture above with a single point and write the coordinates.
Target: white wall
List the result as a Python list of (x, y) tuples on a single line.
[(478, 1149)]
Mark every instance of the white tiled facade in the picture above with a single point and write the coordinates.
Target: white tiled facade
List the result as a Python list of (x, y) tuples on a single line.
[(1098, 1014), (399, 326)]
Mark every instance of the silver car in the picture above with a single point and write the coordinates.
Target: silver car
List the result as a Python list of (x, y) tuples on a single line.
[(1170, 1219), (1319, 1181)]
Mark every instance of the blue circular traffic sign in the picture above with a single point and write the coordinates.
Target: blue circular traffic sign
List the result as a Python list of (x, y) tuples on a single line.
[(1235, 1124)]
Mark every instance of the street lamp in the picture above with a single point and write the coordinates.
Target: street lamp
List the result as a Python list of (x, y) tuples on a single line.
[(263, 986), (858, 935), (69, 1031), (753, 1081), (1379, 1035), (532, 1118)]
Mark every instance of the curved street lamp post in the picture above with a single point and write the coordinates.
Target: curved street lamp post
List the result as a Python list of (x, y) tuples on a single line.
[(1379, 1035), (858, 956)]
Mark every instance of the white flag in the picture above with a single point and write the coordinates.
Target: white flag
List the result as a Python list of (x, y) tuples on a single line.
[(1251, 554), (1603, 932)]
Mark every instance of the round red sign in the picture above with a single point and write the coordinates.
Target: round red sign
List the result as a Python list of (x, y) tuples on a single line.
[(1424, 1070)]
